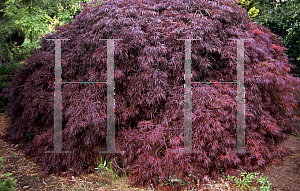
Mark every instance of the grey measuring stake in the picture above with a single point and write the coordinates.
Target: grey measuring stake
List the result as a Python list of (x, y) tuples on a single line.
[(110, 99), (187, 106), (240, 98)]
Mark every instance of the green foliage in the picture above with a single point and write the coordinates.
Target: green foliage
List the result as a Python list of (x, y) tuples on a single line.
[(244, 181), (18, 17), (248, 181), (103, 166), (281, 18), (34, 21), (2, 5), (31, 20), (253, 11), (53, 7), (245, 3), (8, 50), (96, 4), (65, 14), (7, 184)]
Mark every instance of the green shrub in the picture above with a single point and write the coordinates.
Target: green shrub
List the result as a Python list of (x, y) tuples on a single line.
[(7, 184)]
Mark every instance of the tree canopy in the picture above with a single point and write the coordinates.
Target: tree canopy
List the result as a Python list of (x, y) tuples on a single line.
[(283, 18)]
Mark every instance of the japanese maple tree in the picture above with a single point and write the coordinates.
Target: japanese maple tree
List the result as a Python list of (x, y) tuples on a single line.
[(149, 92)]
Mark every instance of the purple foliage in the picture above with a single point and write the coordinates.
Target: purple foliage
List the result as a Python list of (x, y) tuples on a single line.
[(149, 91)]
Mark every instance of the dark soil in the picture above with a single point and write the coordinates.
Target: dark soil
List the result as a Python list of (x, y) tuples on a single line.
[(287, 176)]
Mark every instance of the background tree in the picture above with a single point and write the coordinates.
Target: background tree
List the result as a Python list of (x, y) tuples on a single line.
[(33, 18), (282, 18), (38, 17)]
